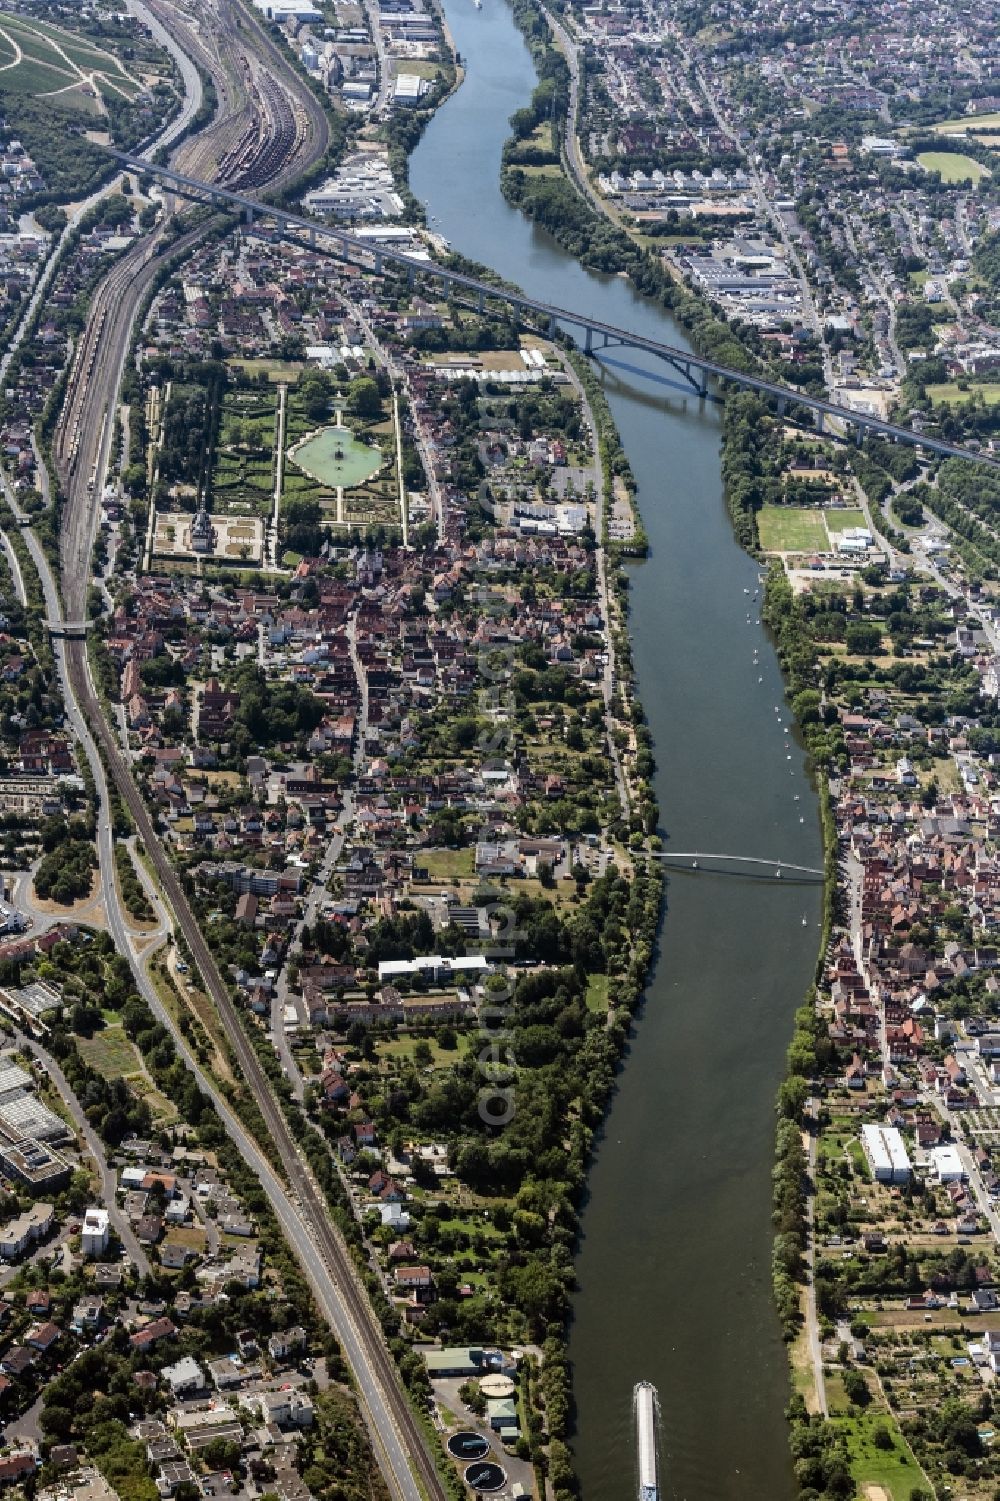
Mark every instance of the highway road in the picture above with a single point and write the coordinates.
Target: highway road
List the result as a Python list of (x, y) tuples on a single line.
[(189, 76)]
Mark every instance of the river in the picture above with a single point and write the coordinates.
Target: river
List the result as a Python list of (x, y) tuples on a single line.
[(674, 1258)]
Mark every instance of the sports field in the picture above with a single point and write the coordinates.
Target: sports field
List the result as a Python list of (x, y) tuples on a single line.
[(842, 521), (792, 529), (954, 166), (48, 62)]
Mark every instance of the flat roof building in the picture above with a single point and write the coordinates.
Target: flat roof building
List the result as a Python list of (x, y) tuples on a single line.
[(433, 966), (886, 1154), (948, 1165)]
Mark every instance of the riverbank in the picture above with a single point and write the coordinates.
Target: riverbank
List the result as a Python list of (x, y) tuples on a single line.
[(735, 955), (552, 197), (588, 229)]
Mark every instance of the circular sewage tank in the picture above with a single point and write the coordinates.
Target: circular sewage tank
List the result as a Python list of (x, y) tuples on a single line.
[(484, 1475), (468, 1445)]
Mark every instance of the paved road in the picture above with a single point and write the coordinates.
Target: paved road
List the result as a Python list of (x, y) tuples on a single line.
[(397, 1439), (812, 1319), (601, 500), (15, 569), (571, 140), (385, 80), (310, 912), (190, 77), (318, 889)]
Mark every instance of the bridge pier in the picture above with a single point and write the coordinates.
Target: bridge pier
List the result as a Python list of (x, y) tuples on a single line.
[(782, 406), (378, 263), (820, 421), (588, 341), (248, 214), (861, 434)]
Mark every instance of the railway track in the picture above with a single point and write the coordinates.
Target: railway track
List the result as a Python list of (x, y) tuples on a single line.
[(313, 1209), (70, 430), (267, 129), (269, 133)]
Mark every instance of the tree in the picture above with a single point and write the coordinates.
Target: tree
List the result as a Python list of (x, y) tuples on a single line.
[(221, 1453), (863, 640), (57, 1423), (364, 399), (314, 393)]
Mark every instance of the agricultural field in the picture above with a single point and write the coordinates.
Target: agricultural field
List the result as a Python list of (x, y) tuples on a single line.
[(792, 529), (954, 166), (47, 61), (967, 125), (952, 394), (111, 1053)]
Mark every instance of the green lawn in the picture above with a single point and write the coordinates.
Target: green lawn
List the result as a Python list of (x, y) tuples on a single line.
[(421, 67), (792, 529), (954, 166), (597, 992), (275, 370), (949, 392), (449, 865), (894, 1469), (842, 521), (401, 1048)]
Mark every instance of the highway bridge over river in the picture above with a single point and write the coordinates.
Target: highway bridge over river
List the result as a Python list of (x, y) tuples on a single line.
[(596, 335)]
